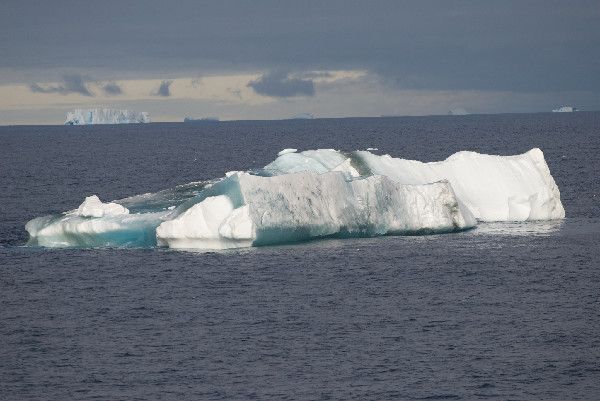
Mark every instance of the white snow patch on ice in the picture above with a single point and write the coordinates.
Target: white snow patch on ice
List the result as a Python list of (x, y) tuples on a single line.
[(92, 206), (319, 161), (210, 224), (286, 151)]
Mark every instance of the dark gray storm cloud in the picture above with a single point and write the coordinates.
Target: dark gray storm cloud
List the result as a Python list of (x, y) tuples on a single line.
[(534, 45), (164, 89), (72, 83), (112, 89), (280, 84)]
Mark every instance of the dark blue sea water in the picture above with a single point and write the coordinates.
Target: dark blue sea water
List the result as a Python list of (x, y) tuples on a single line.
[(505, 311)]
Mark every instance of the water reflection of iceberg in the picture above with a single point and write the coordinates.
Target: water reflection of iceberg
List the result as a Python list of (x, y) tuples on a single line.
[(518, 228)]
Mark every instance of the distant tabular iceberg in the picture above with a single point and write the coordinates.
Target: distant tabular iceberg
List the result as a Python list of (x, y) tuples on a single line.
[(458, 112), (201, 120), (303, 116), (105, 116), (565, 109)]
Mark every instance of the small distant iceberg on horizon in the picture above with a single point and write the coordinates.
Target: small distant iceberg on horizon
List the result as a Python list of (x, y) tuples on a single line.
[(303, 116), (105, 116), (459, 111), (565, 109), (198, 120)]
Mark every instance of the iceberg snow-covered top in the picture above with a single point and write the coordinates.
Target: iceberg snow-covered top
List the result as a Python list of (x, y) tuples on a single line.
[(105, 116), (92, 206)]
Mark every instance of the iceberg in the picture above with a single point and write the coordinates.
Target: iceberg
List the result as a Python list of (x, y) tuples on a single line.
[(564, 109), (315, 194), (201, 120), (493, 188), (303, 116), (253, 210), (459, 111), (105, 116), (95, 224)]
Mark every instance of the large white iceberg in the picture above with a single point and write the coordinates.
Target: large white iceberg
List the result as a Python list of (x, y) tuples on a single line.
[(493, 188), (316, 194), (105, 116)]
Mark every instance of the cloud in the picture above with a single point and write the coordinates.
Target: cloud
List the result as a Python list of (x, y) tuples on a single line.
[(72, 83), (316, 74), (112, 89), (280, 84), (462, 45), (164, 89)]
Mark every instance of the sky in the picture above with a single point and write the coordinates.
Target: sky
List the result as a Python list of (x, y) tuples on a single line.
[(279, 59)]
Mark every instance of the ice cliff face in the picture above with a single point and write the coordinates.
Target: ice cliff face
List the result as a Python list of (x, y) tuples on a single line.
[(248, 209), (493, 188), (105, 116), (317, 194)]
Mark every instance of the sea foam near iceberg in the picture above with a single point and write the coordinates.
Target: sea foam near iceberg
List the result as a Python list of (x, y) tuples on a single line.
[(316, 194)]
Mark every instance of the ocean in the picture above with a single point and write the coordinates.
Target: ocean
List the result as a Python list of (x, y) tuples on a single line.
[(503, 311)]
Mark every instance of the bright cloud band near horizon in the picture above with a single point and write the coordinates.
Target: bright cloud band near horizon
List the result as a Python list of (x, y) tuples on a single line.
[(272, 59)]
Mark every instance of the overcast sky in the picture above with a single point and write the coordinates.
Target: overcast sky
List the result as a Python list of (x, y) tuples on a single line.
[(276, 59)]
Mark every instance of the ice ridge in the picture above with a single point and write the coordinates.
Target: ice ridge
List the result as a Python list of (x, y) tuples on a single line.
[(316, 194)]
